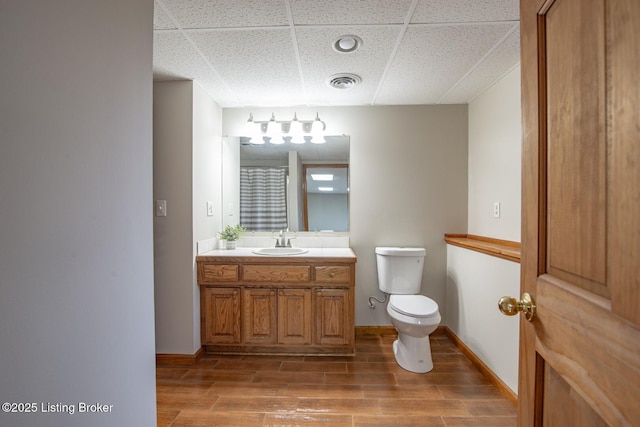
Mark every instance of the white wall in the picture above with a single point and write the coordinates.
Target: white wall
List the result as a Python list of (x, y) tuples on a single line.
[(76, 258), (207, 185), (475, 282), (295, 195), (408, 183), (187, 174), (230, 209)]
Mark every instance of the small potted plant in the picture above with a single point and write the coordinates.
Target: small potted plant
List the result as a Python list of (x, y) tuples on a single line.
[(230, 234)]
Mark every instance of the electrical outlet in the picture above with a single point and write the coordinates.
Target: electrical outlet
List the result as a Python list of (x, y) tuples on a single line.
[(209, 208), (496, 210)]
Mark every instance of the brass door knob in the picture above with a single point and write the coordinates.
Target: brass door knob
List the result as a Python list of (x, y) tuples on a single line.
[(510, 306)]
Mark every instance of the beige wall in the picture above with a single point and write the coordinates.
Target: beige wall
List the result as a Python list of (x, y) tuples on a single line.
[(76, 231), (187, 146), (172, 181), (495, 134), (408, 181)]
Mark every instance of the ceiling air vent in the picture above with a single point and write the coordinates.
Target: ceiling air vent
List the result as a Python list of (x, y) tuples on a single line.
[(344, 81)]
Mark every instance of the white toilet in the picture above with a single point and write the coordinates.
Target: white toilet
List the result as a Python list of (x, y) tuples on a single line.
[(414, 316)]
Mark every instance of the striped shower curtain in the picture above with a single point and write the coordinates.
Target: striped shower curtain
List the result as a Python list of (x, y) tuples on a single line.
[(263, 199)]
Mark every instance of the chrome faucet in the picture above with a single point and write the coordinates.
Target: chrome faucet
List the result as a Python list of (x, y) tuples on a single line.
[(282, 241)]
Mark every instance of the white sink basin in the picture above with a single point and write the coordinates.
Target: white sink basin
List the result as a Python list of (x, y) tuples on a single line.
[(280, 251)]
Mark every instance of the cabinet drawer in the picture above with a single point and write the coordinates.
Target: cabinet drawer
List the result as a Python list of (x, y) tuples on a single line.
[(219, 273), (276, 273), (333, 274)]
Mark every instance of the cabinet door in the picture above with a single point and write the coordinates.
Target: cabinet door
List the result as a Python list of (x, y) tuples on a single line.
[(294, 316), (259, 317), (220, 315), (334, 314)]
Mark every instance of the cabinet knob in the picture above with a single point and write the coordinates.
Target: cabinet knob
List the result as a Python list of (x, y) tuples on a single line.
[(332, 274)]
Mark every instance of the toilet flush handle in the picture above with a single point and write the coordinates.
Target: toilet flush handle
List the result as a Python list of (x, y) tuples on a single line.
[(510, 306)]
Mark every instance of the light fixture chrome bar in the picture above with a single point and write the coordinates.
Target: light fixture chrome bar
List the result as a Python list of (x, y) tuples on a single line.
[(277, 130), (287, 122)]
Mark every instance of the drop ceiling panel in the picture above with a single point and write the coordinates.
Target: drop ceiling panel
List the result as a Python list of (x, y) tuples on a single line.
[(278, 52), (496, 64), (258, 64), (349, 12), (227, 13), (432, 59), (431, 11), (176, 59), (320, 61), (161, 20)]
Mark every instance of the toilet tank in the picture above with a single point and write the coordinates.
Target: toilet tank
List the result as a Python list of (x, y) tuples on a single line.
[(400, 269)]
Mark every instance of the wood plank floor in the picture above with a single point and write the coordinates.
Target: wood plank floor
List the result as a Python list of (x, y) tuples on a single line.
[(369, 389)]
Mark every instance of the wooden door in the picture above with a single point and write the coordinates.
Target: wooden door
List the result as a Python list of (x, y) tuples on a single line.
[(259, 321), (580, 356)]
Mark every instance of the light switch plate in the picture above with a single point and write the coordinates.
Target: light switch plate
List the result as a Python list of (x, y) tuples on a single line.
[(209, 208), (161, 208)]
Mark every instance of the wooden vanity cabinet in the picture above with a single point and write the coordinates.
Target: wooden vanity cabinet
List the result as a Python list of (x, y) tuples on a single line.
[(277, 305)]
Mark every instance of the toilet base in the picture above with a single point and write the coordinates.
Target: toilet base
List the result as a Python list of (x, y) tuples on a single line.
[(413, 354)]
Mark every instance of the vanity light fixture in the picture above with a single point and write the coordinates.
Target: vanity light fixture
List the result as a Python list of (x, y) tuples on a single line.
[(317, 131), (278, 131), (253, 131), (273, 130), (295, 131)]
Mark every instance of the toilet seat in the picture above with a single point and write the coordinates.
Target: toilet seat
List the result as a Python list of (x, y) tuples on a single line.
[(414, 305)]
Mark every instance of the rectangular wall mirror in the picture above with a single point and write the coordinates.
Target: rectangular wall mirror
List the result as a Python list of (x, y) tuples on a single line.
[(270, 187)]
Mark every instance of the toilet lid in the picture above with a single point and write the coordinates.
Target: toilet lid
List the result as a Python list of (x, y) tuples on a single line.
[(414, 305)]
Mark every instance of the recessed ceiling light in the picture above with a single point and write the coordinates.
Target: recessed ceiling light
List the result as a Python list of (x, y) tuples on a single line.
[(347, 44), (325, 188), (322, 176)]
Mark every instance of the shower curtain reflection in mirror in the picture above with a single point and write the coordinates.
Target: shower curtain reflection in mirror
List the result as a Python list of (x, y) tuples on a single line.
[(263, 198)]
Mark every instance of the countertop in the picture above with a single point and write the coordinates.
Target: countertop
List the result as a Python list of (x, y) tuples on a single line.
[(312, 253)]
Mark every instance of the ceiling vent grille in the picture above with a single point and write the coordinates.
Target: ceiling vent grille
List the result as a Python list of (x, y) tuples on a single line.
[(344, 81)]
